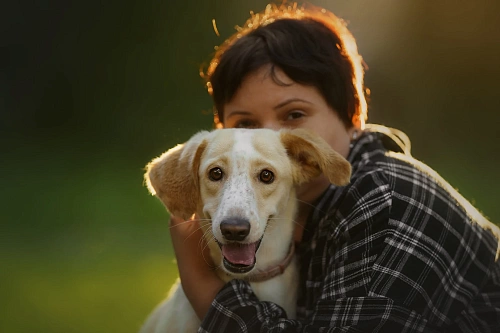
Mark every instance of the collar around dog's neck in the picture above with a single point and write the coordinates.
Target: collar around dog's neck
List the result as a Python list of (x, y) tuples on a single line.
[(276, 270)]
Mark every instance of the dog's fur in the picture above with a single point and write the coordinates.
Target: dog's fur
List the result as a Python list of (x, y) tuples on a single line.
[(180, 178)]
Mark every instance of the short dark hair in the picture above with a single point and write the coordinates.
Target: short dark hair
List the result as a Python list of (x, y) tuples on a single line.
[(311, 46)]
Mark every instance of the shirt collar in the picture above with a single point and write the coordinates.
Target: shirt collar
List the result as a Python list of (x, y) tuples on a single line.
[(375, 138)]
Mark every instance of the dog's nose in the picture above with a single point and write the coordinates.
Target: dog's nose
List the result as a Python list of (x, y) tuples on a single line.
[(235, 228)]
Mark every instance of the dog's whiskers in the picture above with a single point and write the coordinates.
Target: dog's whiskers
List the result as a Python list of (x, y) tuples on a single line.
[(189, 221), (205, 234), (309, 204), (192, 233), (207, 243), (181, 223), (284, 218), (213, 266)]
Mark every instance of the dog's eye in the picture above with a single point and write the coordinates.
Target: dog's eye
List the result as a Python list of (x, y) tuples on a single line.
[(266, 176), (215, 174)]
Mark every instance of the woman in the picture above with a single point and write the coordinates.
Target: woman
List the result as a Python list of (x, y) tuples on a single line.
[(398, 249)]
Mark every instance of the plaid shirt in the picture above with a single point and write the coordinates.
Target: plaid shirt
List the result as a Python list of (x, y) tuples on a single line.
[(397, 250)]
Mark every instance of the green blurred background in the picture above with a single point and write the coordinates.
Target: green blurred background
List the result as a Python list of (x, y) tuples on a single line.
[(91, 91)]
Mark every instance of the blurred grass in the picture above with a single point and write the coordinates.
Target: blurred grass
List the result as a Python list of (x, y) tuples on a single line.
[(84, 248), (44, 292)]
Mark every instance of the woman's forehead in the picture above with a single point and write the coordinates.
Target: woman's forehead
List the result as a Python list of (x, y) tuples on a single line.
[(259, 90)]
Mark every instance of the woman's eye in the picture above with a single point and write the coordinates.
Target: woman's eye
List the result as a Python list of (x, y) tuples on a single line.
[(245, 124), (295, 115)]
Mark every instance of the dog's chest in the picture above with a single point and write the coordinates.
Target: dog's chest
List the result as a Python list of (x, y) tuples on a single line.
[(281, 289)]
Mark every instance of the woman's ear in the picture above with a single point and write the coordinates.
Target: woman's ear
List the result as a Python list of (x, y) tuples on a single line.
[(173, 176), (311, 156)]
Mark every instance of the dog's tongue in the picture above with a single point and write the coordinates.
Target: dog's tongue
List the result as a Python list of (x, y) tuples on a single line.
[(241, 254)]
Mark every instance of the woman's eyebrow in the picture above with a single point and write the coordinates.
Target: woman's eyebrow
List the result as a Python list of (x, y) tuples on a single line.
[(290, 100), (238, 113)]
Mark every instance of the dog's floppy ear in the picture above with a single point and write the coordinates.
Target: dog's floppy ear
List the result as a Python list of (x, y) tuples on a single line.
[(311, 156), (173, 176)]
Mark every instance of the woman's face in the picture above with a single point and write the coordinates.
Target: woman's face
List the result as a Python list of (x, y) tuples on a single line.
[(261, 103)]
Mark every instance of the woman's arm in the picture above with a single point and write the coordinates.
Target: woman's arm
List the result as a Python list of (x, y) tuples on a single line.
[(198, 278)]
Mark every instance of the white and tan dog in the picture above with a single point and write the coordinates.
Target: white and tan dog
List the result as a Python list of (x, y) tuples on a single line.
[(242, 185)]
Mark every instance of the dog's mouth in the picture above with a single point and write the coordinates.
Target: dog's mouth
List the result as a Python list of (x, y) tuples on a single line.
[(238, 257)]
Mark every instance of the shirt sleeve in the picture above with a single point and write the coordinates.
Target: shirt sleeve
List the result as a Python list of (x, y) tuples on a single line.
[(237, 309), (384, 269)]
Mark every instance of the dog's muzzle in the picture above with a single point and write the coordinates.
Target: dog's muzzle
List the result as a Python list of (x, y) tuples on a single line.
[(239, 257)]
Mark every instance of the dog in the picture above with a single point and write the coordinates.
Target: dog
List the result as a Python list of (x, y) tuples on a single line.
[(241, 183)]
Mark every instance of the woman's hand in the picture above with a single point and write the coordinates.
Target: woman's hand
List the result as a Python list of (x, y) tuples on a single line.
[(198, 278)]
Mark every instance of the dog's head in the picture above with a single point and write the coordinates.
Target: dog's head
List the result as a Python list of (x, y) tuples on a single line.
[(243, 182)]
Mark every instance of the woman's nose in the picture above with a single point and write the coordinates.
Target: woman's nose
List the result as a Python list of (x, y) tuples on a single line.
[(272, 124)]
